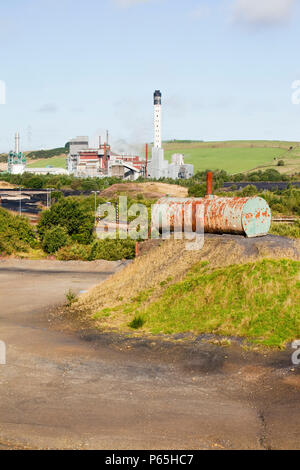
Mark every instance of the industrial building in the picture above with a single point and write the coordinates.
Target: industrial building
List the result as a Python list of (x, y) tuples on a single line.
[(100, 162), (158, 166), (16, 160), (17, 165)]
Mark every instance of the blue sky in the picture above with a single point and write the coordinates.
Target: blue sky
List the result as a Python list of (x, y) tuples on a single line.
[(73, 67)]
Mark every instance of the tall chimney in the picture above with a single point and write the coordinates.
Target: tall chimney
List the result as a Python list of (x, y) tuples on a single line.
[(157, 119), (17, 145)]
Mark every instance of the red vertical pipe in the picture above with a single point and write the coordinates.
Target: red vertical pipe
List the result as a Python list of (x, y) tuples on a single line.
[(209, 183)]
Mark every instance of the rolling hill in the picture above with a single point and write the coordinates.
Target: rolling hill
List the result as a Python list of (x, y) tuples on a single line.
[(238, 156)]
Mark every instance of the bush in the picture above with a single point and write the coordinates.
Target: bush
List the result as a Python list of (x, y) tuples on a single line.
[(113, 250), (68, 213), (16, 234), (74, 252), (71, 297), (197, 190), (137, 322), (54, 239), (280, 163), (249, 191)]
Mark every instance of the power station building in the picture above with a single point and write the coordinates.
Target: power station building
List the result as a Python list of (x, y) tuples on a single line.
[(100, 162), (159, 167)]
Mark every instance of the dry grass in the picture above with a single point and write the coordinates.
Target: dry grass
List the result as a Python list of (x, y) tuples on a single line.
[(149, 190), (5, 185)]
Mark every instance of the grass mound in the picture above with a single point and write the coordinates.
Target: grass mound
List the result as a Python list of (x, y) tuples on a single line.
[(260, 301), (222, 289)]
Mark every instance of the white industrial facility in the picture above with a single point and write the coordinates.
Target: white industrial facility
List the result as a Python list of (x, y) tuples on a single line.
[(159, 167)]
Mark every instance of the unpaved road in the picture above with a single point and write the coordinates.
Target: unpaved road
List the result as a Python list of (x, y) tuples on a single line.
[(100, 391)]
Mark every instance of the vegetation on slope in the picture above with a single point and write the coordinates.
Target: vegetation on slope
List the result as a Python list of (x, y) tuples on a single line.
[(260, 301), (66, 230), (16, 234), (221, 289), (39, 154), (55, 162), (286, 230), (235, 157)]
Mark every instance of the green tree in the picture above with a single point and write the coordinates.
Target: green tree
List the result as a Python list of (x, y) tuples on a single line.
[(55, 238), (68, 213)]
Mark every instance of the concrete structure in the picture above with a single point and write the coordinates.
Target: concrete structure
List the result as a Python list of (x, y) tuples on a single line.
[(178, 159), (159, 167), (126, 169), (76, 145)]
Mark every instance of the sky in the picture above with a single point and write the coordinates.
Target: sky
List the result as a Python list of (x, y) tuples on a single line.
[(225, 69)]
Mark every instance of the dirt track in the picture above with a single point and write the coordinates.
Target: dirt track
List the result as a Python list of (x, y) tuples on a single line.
[(65, 390)]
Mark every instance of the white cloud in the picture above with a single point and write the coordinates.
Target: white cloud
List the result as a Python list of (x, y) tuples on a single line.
[(262, 12), (129, 3), (202, 11), (48, 108)]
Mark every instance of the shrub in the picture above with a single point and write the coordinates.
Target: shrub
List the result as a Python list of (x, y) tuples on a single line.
[(71, 297), (74, 252), (248, 191), (197, 190), (137, 322), (68, 213), (16, 234), (54, 238), (113, 250)]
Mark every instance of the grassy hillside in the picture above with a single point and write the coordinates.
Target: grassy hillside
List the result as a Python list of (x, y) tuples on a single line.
[(38, 154), (57, 162), (260, 301), (238, 156), (221, 289)]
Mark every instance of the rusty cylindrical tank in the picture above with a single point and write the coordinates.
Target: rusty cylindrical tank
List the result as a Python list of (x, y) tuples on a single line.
[(250, 216)]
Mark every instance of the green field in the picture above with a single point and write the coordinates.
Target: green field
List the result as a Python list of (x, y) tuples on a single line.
[(237, 156), (57, 162)]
